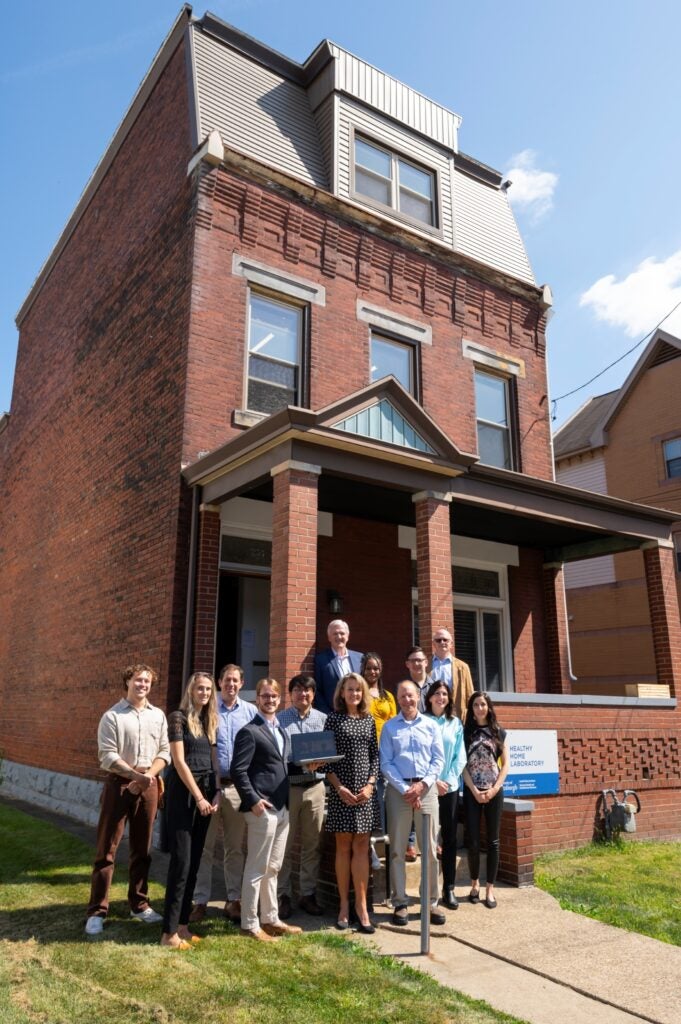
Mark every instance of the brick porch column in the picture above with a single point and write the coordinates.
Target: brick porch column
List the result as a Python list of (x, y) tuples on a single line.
[(207, 580), (658, 560), (293, 601), (556, 628), (433, 564)]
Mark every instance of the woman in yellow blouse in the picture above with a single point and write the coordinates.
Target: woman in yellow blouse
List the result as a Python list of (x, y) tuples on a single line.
[(382, 708)]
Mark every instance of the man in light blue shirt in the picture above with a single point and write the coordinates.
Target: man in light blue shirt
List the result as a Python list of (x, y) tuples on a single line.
[(412, 758), (233, 715), (306, 803)]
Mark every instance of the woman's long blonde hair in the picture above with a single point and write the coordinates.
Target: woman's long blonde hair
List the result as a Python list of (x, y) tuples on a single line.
[(205, 721)]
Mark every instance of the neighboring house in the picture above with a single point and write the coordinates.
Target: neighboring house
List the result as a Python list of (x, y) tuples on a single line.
[(626, 443), (288, 359)]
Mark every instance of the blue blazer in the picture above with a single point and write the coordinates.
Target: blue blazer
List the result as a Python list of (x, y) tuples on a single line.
[(258, 769), (326, 676)]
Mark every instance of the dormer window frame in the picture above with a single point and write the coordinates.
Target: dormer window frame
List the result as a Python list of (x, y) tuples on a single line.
[(396, 157)]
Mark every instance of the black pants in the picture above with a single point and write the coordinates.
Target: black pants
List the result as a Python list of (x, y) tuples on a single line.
[(474, 812), (448, 806), (186, 836)]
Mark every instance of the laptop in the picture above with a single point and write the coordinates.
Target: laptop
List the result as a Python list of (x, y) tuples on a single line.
[(307, 747)]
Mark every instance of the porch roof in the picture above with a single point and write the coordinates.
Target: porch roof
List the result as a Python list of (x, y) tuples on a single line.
[(567, 523)]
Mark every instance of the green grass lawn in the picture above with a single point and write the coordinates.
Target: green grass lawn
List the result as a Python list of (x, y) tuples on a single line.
[(633, 885), (51, 974)]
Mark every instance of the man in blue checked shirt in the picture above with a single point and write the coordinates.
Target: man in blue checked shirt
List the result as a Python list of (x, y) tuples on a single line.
[(412, 758), (233, 714)]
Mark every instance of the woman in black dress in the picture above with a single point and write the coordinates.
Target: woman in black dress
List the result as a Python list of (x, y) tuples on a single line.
[(191, 798), (484, 774), (353, 810)]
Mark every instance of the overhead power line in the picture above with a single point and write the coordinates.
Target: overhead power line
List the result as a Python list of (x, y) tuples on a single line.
[(555, 401)]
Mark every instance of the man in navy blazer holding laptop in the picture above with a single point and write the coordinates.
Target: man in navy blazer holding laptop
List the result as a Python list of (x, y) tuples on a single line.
[(260, 774), (332, 664)]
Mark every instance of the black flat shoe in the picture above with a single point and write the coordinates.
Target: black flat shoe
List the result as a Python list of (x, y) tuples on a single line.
[(474, 896), (449, 899), (490, 903), (342, 926), (366, 929), (437, 918)]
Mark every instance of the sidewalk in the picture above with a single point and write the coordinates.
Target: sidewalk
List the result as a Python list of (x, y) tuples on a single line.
[(528, 957)]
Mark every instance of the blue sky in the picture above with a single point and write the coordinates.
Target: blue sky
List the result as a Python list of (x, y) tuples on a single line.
[(577, 102)]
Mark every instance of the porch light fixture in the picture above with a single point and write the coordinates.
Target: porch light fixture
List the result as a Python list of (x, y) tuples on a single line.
[(334, 601)]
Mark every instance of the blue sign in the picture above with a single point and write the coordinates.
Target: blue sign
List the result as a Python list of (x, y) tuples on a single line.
[(533, 763)]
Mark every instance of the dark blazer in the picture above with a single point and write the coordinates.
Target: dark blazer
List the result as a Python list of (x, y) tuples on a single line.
[(258, 770), (326, 676)]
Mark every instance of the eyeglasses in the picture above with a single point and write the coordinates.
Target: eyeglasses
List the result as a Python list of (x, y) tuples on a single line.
[(441, 640)]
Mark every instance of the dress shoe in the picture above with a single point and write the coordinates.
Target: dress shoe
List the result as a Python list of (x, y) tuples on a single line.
[(474, 896), (437, 917), (259, 935), (198, 913), (490, 902), (342, 925), (310, 906), (366, 929), (285, 908), (400, 916), (449, 899), (277, 930), (232, 911), (411, 855)]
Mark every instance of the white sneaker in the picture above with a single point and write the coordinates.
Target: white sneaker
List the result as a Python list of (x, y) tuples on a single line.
[(94, 926), (147, 916)]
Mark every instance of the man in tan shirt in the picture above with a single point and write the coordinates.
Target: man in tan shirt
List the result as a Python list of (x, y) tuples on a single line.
[(132, 742)]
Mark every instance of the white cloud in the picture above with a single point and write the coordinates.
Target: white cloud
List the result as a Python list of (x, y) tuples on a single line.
[(638, 302), (532, 189)]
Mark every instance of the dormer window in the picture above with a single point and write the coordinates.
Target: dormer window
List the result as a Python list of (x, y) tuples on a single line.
[(387, 178)]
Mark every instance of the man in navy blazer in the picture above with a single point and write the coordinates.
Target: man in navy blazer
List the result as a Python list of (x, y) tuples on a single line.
[(332, 664), (260, 774)]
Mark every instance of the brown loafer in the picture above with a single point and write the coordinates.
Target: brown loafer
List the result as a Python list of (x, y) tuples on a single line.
[(259, 935), (277, 930), (310, 906), (232, 911), (198, 913)]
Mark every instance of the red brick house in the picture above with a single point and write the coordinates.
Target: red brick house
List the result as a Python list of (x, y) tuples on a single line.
[(626, 443), (289, 352)]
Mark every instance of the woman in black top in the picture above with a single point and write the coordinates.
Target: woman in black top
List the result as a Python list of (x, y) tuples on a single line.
[(191, 798), (484, 774)]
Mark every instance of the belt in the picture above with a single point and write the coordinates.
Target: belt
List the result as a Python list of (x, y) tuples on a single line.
[(412, 781), (226, 781)]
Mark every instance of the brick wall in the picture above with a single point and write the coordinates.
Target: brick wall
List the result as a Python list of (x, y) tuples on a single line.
[(93, 550), (528, 623), (351, 263)]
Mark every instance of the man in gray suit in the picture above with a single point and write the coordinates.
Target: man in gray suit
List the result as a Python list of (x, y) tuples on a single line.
[(260, 774)]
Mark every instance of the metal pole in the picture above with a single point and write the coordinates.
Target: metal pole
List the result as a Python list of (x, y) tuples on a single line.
[(425, 884)]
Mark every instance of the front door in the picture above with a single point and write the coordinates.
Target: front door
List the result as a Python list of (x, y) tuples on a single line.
[(243, 629)]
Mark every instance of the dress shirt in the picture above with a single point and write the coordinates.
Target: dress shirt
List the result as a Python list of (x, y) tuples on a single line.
[(442, 669), (411, 749), (274, 728), (455, 751), (230, 720), (134, 735), (291, 721)]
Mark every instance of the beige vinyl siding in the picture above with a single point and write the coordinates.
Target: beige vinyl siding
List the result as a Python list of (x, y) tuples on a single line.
[(379, 129), (486, 229), (323, 117), (256, 111), (589, 474)]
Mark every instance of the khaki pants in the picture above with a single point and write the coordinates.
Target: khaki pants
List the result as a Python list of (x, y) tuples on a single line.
[(399, 825), (305, 811), (266, 842)]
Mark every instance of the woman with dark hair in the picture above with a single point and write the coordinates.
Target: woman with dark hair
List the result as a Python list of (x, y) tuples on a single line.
[(484, 774), (353, 812), (191, 798), (382, 708), (440, 704)]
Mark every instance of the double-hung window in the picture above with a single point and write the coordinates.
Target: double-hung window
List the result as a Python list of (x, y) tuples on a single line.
[(493, 406), (393, 181), (396, 358), (481, 624), (275, 353), (672, 457)]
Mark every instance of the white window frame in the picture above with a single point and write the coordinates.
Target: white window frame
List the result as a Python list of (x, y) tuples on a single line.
[(291, 303), (473, 602), (396, 157), (509, 430), (666, 461), (411, 350)]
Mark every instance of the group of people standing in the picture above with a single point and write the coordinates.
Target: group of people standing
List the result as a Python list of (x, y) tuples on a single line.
[(229, 762)]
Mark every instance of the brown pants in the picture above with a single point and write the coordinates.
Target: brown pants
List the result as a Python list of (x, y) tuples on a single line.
[(119, 806)]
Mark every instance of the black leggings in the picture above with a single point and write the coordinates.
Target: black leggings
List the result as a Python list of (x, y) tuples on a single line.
[(474, 812), (186, 837), (448, 805)]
